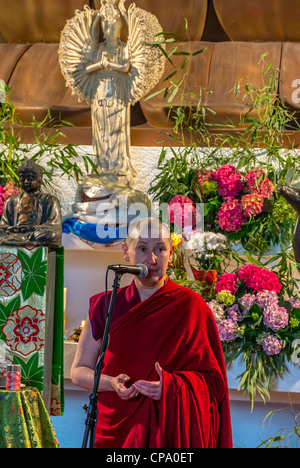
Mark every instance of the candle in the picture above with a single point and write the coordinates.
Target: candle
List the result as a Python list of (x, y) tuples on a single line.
[(82, 323)]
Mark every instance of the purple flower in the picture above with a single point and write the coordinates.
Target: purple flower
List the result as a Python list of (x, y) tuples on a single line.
[(266, 299), (276, 317), (217, 310), (227, 329), (272, 345), (234, 313), (295, 302), (247, 301)]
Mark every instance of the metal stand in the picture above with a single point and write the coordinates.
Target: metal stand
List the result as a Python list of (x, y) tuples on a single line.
[(92, 409)]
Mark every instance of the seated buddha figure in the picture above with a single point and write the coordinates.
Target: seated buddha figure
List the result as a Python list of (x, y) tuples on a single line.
[(31, 217)]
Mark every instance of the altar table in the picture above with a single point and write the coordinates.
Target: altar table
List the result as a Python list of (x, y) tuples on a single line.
[(24, 420)]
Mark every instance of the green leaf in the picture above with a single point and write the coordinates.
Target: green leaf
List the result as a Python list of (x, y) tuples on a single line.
[(35, 274), (32, 374), (199, 52), (154, 94), (181, 53), (255, 309), (184, 64), (6, 311), (170, 76), (174, 93)]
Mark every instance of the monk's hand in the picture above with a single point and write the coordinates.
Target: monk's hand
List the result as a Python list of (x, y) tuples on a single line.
[(151, 389), (119, 385)]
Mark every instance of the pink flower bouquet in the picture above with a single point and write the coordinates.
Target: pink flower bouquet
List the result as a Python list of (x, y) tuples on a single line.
[(255, 323), (234, 202)]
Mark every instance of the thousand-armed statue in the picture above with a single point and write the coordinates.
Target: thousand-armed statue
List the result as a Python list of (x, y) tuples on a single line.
[(111, 75)]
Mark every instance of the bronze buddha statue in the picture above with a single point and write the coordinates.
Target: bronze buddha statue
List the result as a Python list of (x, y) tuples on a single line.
[(31, 217)]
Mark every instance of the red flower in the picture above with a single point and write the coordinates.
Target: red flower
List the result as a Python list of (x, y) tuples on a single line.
[(229, 181), (258, 182), (227, 282), (252, 204), (231, 216), (182, 211), (259, 280)]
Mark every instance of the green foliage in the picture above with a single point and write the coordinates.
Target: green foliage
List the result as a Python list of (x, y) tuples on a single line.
[(286, 438), (46, 146), (257, 141)]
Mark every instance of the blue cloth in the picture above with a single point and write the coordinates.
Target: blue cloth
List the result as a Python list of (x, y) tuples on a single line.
[(92, 232)]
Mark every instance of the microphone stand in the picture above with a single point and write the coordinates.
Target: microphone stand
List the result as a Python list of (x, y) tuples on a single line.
[(92, 409)]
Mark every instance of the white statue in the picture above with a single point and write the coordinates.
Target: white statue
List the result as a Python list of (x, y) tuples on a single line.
[(111, 76)]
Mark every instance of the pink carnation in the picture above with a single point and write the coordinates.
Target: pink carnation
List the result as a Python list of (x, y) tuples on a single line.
[(252, 204), (182, 211), (229, 181), (227, 282), (257, 182), (231, 216)]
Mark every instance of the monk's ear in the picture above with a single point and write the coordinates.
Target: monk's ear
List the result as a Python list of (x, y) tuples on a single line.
[(125, 251)]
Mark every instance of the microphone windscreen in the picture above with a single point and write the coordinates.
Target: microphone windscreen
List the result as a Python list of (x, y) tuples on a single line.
[(144, 270)]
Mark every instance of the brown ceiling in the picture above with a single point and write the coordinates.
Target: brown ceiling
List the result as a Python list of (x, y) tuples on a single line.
[(234, 34)]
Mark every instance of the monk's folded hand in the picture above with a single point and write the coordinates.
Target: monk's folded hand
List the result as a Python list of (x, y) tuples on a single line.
[(119, 385), (151, 389)]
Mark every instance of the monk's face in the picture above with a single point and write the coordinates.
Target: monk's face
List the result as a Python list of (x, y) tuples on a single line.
[(156, 253)]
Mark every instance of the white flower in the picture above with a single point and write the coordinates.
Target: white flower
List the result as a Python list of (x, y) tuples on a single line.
[(206, 242)]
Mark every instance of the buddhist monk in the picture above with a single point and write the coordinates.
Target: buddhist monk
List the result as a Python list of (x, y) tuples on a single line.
[(163, 383)]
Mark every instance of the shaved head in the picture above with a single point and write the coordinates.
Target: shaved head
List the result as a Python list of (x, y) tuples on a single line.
[(151, 228)]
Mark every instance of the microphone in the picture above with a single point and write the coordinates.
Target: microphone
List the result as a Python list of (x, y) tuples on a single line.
[(139, 270)]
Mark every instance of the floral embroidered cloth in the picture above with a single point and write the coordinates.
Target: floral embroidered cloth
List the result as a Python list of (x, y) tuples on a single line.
[(25, 422), (31, 319)]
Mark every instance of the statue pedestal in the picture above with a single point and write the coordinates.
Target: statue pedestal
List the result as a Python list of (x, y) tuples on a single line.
[(32, 318), (103, 210)]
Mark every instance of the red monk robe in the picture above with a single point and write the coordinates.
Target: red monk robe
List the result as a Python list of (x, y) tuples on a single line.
[(176, 328)]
